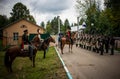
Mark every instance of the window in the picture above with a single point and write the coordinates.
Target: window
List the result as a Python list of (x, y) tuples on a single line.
[(23, 26), (15, 36)]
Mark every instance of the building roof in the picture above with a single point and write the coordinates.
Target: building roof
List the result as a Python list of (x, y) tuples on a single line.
[(19, 21)]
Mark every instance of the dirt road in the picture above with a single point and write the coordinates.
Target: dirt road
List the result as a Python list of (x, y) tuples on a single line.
[(84, 64)]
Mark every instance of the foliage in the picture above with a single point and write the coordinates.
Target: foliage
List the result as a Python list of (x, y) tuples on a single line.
[(49, 68), (52, 26), (81, 21), (105, 22), (114, 7), (20, 11), (42, 24), (92, 20), (3, 22), (66, 25), (48, 27)]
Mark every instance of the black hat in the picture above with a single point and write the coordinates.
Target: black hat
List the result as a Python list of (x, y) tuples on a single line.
[(26, 30)]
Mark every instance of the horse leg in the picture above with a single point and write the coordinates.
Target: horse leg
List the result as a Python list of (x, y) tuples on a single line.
[(61, 47), (71, 47), (44, 53), (33, 61), (7, 61), (10, 64)]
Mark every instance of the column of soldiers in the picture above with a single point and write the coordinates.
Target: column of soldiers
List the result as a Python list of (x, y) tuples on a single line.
[(96, 43)]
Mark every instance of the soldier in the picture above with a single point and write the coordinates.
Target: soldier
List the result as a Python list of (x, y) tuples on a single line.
[(101, 45), (59, 38), (39, 35), (68, 33), (27, 42), (112, 44), (106, 43)]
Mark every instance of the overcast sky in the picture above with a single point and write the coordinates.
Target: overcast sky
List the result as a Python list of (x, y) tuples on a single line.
[(44, 10)]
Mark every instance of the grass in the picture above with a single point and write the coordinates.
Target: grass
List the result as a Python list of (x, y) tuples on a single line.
[(48, 68)]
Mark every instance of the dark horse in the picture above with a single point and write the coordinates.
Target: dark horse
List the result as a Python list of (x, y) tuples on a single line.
[(15, 51), (45, 44), (66, 40)]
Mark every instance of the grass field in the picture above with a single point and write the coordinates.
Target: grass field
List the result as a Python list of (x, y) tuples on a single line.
[(49, 68)]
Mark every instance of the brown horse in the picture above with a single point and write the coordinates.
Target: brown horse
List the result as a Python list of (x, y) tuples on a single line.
[(66, 40), (15, 51), (45, 44)]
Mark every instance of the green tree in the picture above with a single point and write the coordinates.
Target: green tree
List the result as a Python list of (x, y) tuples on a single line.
[(42, 24), (20, 11), (66, 25), (81, 21), (48, 27), (92, 11), (52, 26), (114, 7), (3, 22), (93, 14)]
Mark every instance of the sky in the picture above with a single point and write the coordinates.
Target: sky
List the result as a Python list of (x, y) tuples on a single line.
[(44, 10)]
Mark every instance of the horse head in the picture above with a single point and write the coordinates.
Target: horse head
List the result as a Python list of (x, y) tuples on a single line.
[(36, 41), (51, 39)]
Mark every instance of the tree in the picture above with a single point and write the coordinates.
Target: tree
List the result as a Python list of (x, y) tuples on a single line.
[(66, 25), (3, 22), (114, 7), (92, 11), (20, 11), (81, 21), (48, 27), (52, 26), (42, 24)]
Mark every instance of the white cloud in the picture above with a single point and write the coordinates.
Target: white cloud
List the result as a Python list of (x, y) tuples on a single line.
[(44, 10), (50, 6)]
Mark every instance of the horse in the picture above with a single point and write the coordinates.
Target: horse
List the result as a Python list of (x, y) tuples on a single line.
[(45, 44), (65, 40), (15, 51)]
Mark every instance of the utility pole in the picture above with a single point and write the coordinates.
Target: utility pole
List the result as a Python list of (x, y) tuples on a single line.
[(78, 27), (58, 24)]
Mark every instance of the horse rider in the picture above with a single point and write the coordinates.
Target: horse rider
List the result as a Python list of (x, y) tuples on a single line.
[(39, 35), (69, 34), (25, 41), (59, 38)]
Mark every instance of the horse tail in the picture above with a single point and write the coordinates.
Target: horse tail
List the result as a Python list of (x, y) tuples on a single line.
[(6, 59)]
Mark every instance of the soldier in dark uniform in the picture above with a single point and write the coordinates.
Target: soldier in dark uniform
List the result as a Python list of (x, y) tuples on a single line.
[(112, 44), (59, 39), (27, 42), (101, 45), (106, 43)]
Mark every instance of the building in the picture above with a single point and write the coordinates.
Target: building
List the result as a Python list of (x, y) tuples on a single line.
[(12, 33), (77, 28)]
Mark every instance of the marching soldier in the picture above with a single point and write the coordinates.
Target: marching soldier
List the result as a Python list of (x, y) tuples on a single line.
[(106, 43), (101, 45), (112, 44)]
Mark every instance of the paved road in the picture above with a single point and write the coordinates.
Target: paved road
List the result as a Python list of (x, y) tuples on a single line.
[(84, 64)]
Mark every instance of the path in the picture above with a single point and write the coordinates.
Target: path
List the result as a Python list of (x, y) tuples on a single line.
[(84, 64)]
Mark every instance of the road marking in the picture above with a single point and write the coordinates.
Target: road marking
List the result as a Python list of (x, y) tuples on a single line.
[(66, 69)]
